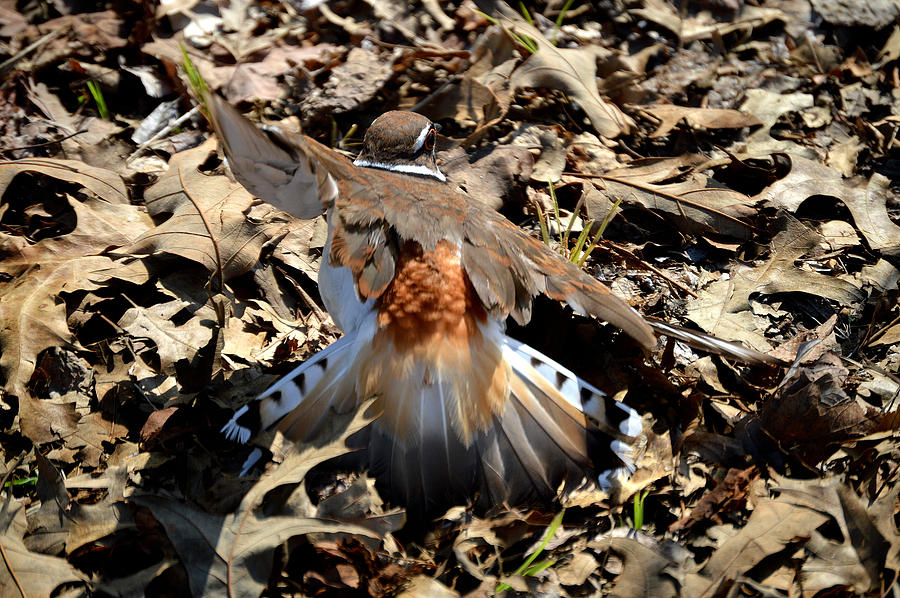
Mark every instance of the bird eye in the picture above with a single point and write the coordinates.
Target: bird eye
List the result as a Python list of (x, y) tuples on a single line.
[(429, 139)]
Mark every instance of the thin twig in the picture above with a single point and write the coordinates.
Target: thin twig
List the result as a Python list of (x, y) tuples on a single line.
[(12, 571), (165, 131), (6, 64), (59, 140), (882, 331)]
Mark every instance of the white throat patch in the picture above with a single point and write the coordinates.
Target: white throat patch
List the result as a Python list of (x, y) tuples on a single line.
[(405, 168)]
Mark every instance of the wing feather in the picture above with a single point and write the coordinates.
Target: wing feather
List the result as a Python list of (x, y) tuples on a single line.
[(539, 270)]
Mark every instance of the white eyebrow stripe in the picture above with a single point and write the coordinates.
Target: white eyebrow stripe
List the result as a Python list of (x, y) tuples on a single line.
[(405, 168), (420, 140)]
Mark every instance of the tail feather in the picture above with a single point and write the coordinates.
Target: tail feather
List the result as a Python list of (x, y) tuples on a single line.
[(538, 440), (563, 425), (541, 440), (427, 473), (492, 479), (509, 470), (527, 466), (288, 393), (607, 414)]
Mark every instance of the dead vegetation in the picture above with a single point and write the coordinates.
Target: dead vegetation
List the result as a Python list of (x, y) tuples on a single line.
[(749, 150)]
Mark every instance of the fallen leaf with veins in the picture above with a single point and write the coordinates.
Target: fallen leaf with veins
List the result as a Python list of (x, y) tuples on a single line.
[(22, 571), (724, 307), (572, 70), (670, 115), (772, 526), (232, 554), (32, 311), (866, 200), (208, 223)]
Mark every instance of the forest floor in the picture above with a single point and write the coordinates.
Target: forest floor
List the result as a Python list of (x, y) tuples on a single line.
[(746, 151)]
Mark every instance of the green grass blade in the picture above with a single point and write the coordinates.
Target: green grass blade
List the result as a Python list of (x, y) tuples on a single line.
[(599, 234), (559, 19), (572, 218), (195, 79), (538, 567), (32, 481), (523, 40), (610, 215), (551, 531), (345, 140), (525, 13), (545, 233), (562, 13), (578, 256), (99, 100), (639, 509)]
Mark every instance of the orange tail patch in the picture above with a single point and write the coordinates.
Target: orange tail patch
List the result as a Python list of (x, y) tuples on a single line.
[(434, 331)]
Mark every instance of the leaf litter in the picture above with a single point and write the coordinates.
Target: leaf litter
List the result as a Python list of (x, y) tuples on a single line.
[(750, 149)]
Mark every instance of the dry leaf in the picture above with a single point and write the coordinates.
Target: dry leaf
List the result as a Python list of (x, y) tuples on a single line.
[(208, 222), (549, 152), (232, 554), (670, 115), (481, 95), (149, 334), (32, 312), (867, 201), (104, 184), (857, 560), (730, 494), (769, 106), (724, 307), (257, 77), (426, 587), (351, 85), (644, 569), (773, 525), (173, 342), (576, 570), (91, 432), (694, 207), (96, 143), (813, 415), (572, 70), (26, 573), (702, 25)]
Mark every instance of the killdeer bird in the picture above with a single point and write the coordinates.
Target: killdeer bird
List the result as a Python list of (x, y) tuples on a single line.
[(421, 281)]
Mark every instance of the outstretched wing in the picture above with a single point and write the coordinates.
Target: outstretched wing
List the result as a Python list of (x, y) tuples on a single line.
[(374, 215), (508, 268), (272, 164)]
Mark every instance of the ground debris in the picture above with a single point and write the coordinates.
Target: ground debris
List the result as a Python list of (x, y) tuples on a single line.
[(744, 155)]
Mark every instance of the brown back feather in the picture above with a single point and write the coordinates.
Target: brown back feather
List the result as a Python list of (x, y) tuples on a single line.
[(507, 267)]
